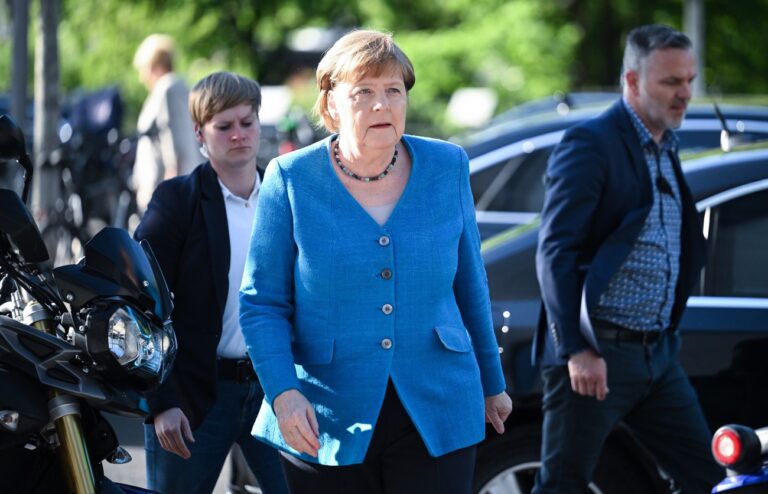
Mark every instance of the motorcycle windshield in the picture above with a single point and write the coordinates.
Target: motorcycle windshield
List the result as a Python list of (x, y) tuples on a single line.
[(112, 254)]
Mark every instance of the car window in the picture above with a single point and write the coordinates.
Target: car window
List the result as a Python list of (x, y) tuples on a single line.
[(514, 272), (695, 141), (512, 185), (737, 264)]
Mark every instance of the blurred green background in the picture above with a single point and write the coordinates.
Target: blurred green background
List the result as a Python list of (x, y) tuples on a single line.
[(521, 49)]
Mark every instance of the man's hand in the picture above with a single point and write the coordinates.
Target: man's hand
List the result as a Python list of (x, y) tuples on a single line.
[(171, 427), (497, 409), (589, 376), (297, 421)]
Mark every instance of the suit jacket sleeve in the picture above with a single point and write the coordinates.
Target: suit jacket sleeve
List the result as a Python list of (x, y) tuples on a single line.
[(166, 236), (267, 291), (575, 176), (471, 289)]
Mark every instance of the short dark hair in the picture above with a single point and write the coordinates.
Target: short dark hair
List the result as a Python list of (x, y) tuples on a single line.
[(644, 40)]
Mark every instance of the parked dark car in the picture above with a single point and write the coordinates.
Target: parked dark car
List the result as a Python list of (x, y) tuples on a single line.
[(508, 158), (725, 329)]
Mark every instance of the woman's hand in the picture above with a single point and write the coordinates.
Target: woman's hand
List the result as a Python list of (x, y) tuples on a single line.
[(497, 409), (297, 421)]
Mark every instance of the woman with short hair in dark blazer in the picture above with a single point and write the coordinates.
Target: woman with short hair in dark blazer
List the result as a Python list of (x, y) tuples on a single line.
[(199, 227), (364, 302)]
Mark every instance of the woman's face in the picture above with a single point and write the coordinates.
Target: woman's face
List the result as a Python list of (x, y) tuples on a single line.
[(370, 112), (232, 137)]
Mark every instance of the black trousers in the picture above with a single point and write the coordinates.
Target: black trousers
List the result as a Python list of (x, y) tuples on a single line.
[(651, 393), (397, 462)]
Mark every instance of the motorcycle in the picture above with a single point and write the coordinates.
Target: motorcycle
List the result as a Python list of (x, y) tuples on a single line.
[(743, 451), (75, 341)]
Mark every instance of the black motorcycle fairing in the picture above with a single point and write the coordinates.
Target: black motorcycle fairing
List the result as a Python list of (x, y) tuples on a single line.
[(164, 297), (116, 265), (22, 394), (17, 223), (54, 363)]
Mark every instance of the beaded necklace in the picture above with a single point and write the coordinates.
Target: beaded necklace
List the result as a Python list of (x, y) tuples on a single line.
[(354, 175)]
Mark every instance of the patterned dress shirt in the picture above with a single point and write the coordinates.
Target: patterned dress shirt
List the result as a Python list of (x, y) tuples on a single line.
[(641, 294)]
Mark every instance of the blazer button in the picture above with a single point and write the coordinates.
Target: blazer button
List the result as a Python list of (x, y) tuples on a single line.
[(386, 343), (386, 274), (387, 309), (383, 240)]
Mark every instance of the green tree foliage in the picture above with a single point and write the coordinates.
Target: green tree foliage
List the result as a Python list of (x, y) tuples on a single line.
[(99, 38), (604, 25), (453, 43), (508, 46), (734, 33), (736, 61), (6, 35), (523, 49)]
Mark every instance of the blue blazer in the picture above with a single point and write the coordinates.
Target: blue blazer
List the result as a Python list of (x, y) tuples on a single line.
[(598, 195), (318, 315)]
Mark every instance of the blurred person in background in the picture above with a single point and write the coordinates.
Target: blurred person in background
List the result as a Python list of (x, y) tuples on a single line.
[(166, 146), (198, 226), (364, 301)]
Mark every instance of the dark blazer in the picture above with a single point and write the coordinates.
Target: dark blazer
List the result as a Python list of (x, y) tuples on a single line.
[(186, 225), (598, 195)]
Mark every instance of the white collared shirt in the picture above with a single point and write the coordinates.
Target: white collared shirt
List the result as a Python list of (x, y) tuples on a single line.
[(240, 214)]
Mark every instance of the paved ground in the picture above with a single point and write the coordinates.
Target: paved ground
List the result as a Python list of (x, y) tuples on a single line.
[(131, 436)]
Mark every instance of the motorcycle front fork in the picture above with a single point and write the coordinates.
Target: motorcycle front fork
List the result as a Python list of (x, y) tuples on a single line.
[(64, 412), (73, 452)]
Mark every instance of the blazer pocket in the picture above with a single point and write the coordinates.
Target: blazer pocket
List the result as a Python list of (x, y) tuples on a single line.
[(314, 351), (454, 339)]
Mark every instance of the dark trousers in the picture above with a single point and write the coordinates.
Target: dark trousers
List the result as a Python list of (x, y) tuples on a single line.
[(650, 392), (229, 421), (397, 462)]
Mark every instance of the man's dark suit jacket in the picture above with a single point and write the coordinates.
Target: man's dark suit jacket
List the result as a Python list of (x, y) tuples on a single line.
[(186, 225), (598, 195)]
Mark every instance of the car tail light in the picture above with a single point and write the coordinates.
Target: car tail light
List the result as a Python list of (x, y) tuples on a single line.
[(739, 448)]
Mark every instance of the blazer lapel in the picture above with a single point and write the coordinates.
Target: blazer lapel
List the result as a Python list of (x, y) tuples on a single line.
[(217, 232), (632, 144)]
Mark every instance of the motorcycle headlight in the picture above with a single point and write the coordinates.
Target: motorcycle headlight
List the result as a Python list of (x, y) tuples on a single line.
[(124, 342)]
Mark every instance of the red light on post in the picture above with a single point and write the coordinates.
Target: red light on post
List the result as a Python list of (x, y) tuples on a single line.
[(726, 446)]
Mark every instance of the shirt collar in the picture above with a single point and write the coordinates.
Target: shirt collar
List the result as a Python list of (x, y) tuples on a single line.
[(668, 139), (229, 195)]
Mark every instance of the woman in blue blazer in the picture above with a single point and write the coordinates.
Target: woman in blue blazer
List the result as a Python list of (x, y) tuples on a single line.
[(364, 303)]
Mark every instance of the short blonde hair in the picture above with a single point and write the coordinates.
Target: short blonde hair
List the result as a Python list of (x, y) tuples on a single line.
[(221, 91), (356, 55), (155, 51)]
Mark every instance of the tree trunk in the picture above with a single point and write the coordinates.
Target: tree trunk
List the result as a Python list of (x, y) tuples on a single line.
[(46, 139), (693, 23), (19, 64)]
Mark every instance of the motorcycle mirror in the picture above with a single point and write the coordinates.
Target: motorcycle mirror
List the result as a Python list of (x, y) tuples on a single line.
[(13, 146)]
